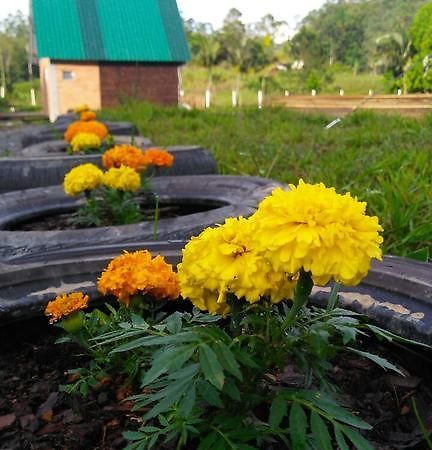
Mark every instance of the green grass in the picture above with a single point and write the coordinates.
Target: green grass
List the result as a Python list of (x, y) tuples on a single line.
[(384, 160)]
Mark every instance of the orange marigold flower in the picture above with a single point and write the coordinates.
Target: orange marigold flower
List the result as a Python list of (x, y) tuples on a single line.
[(139, 273), (158, 157), (81, 108), (87, 115), (92, 126), (66, 304), (124, 155)]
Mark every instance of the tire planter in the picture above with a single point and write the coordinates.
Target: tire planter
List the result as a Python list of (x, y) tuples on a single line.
[(396, 294), (56, 130), (231, 196), (27, 172), (59, 147)]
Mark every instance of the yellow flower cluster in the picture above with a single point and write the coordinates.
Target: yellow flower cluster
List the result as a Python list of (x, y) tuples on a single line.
[(310, 227), (314, 228), (66, 304), (81, 108), (85, 141), (84, 177), (122, 178), (139, 273), (126, 155), (157, 157), (225, 260)]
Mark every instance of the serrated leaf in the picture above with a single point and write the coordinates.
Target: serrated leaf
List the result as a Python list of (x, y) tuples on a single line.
[(228, 361), (297, 427), (231, 389), (207, 442), (278, 410), (174, 323), (171, 358), (359, 442), (211, 367), (340, 440), (320, 432), (210, 394), (389, 336), (382, 362), (149, 341), (188, 402), (167, 396)]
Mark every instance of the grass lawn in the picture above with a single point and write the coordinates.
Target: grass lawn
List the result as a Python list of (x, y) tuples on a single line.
[(384, 160)]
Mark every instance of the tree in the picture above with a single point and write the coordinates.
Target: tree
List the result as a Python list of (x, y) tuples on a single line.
[(419, 76), (14, 38)]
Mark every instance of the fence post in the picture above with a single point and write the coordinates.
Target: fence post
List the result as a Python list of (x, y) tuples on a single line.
[(207, 98), (370, 92), (313, 92), (2, 92), (341, 92), (260, 99), (234, 98), (33, 97)]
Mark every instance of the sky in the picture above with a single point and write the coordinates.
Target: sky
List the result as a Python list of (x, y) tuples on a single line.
[(214, 11)]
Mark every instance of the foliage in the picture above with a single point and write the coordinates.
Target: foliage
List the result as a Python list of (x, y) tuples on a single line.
[(419, 75)]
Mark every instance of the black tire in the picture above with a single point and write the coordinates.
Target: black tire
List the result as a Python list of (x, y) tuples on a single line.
[(33, 172), (56, 130), (58, 147), (232, 196), (396, 295)]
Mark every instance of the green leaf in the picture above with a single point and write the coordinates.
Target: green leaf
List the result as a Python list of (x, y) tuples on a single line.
[(188, 402), (228, 361), (134, 435), (210, 394), (208, 442), (357, 439), (278, 411), (167, 396), (389, 336), (320, 432), (382, 362), (148, 341), (340, 440), (174, 323), (297, 426), (211, 367), (421, 254), (333, 300), (231, 389)]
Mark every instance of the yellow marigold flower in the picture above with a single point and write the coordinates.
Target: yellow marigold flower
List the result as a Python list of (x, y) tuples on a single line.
[(326, 233), (126, 155), (87, 115), (66, 304), (123, 178), (224, 260), (84, 177), (85, 141), (158, 157), (92, 126), (81, 108), (139, 273)]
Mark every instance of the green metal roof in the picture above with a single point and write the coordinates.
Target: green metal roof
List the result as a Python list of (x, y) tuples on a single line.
[(110, 30)]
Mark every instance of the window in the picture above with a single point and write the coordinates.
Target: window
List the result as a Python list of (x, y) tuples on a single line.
[(68, 75)]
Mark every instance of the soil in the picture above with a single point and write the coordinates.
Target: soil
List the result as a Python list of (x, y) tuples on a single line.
[(62, 220), (35, 414)]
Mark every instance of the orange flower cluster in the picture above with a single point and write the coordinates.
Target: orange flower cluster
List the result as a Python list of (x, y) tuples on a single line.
[(124, 155), (91, 126), (158, 157), (139, 273), (66, 304), (86, 116)]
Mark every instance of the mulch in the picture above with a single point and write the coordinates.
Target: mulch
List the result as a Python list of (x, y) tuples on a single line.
[(36, 415)]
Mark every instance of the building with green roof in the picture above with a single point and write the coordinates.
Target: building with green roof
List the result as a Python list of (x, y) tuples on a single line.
[(100, 51)]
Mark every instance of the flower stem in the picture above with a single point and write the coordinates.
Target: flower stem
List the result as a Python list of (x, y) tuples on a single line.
[(156, 218), (301, 295)]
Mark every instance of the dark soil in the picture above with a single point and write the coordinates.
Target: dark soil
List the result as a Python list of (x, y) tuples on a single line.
[(35, 415), (62, 220)]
